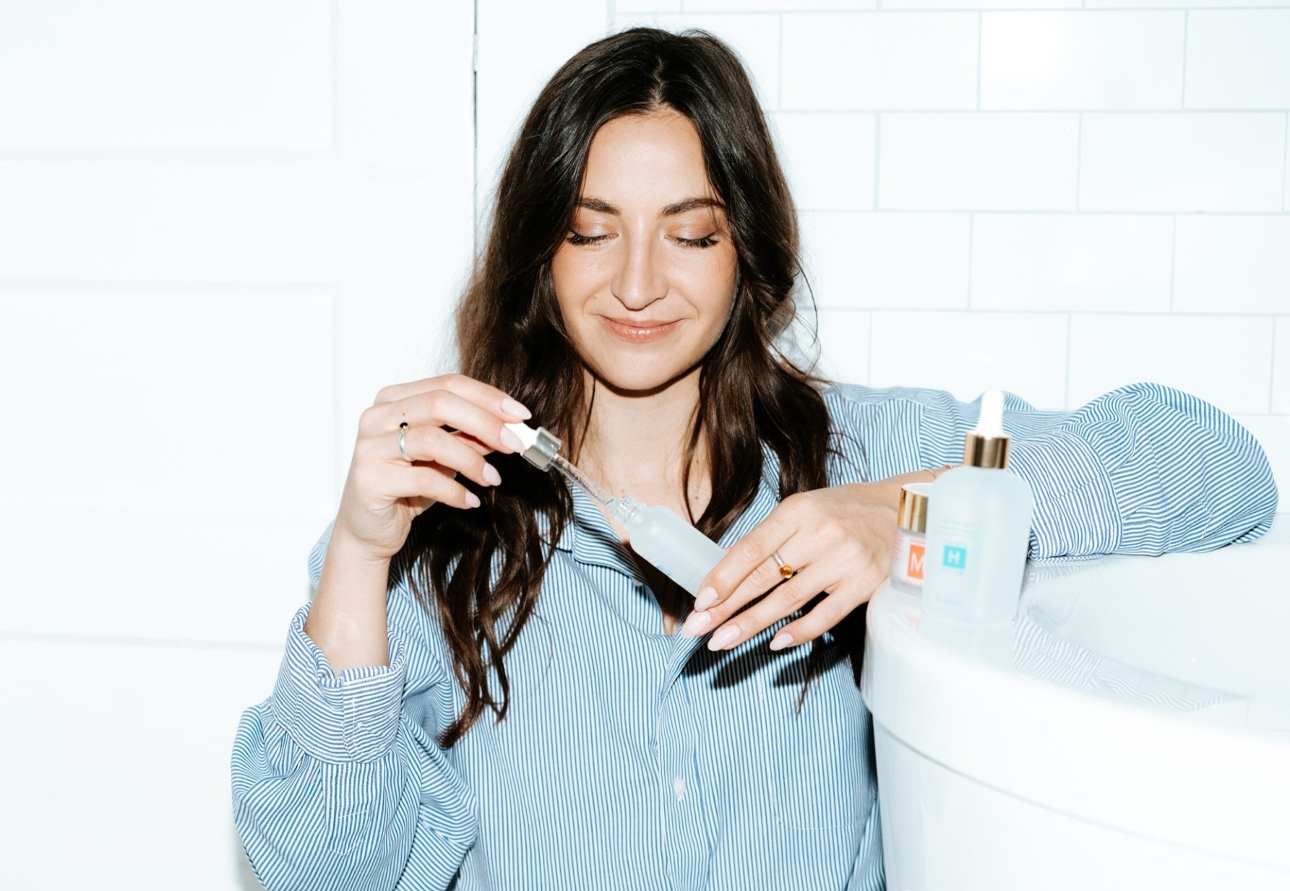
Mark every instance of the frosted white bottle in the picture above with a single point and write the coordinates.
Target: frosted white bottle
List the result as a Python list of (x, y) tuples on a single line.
[(664, 539), (978, 529)]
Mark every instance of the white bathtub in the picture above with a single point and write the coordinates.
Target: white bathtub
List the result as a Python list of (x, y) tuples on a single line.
[(1130, 730)]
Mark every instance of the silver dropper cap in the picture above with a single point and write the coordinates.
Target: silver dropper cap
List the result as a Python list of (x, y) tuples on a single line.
[(540, 445)]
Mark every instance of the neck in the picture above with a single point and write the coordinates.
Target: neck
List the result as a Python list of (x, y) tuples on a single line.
[(636, 443)]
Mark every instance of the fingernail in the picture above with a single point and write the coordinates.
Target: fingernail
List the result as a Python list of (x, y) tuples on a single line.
[(490, 473), (724, 639), (696, 624), (511, 441), (707, 597), (781, 640), (472, 499), (511, 407)]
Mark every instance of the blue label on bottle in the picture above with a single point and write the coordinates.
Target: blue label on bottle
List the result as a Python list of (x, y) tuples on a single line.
[(954, 558)]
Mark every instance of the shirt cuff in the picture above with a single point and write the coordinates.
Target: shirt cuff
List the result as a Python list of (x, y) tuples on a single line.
[(1075, 507), (353, 716)]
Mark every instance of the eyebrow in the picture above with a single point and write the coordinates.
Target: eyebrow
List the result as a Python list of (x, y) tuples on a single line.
[(600, 206)]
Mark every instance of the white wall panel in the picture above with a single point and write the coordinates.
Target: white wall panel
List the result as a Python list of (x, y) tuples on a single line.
[(773, 5), (174, 221), (204, 75), (393, 53), (622, 6), (1075, 262), (520, 45), (969, 352), (1179, 4), (131, 745), (1238, 58), (981, 4), (828, 158), (888, 260), (131, 401), (1281, 370), (977, 162), (1081, 60), (1227, 361), (174, 575), (1182, 162), (1239, 263), (880, 61), (755, 37), (844, 345)]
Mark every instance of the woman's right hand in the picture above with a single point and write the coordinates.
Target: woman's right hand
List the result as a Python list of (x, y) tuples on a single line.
[(384, 492)]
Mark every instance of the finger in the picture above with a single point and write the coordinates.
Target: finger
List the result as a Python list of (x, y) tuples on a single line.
[(749, 560), (430, 483), (484, 395), (440, 408), (824, 616), (438, 446), (785, 600), (706, 617)]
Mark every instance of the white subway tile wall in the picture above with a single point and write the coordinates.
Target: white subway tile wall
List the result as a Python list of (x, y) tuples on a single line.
[(1051, 196), (1061, 196), (223, 227)]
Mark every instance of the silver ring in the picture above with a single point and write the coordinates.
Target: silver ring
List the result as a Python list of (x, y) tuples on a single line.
[(403, 449), (786, 572)]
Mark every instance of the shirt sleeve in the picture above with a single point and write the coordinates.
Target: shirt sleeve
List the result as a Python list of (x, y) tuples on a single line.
[(338, 780), (1144, 469)]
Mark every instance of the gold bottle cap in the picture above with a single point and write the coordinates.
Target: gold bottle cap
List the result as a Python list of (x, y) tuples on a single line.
[(990, 452), (912, 512), (987, 446)]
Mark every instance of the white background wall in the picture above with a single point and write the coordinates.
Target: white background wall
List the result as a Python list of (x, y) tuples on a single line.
[(224, 225)]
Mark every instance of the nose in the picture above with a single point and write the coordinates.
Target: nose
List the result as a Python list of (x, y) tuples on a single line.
[(639, 279)]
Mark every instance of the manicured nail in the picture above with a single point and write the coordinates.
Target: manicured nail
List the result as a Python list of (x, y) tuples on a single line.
[(472, 499), (707, 597), (724, 639), (491, 475), (781, 640), (511, 441), (696, 624), (515, 409)]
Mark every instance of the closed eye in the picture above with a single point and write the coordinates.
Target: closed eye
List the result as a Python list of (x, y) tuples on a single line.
[(576, 238), (706, 241)]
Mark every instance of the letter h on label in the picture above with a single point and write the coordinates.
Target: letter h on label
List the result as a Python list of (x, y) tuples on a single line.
[(954, 558)]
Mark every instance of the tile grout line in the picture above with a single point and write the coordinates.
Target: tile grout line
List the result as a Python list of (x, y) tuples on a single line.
[(122, 640)]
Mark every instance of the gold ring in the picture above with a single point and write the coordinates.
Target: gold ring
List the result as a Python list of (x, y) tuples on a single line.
[(786, 572)]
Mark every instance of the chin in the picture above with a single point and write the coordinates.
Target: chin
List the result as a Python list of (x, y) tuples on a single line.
[(640, 376)]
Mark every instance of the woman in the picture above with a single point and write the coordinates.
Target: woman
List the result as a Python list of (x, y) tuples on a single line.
[(490, 691)]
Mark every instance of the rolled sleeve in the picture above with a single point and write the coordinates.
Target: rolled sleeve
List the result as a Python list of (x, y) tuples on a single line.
[(351, 716)]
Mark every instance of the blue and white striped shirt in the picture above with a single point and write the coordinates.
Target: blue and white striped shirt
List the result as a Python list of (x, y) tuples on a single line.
[(631, 758)]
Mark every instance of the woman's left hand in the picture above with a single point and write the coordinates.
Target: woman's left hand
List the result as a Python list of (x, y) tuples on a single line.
[(838, 541)]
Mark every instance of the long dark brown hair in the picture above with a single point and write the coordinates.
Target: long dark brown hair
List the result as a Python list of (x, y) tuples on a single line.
[(481, 570)]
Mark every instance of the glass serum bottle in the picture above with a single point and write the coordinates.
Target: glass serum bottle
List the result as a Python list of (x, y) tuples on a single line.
[(978, 529), (658, 535)]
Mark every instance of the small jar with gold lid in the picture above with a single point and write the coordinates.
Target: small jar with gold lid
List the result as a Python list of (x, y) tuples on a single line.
[(911, 538)]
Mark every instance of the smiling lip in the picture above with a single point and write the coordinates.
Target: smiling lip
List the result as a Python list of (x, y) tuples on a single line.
[(639, 333)]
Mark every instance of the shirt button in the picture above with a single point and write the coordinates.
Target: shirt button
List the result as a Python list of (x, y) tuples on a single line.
[(678, 788)]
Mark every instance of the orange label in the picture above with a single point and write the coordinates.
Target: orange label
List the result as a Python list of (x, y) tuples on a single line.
[(914, 569)]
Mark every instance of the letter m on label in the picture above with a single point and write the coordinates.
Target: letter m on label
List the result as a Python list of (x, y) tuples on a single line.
[(954, 558)]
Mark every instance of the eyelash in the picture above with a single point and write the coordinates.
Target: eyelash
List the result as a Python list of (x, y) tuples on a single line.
[(706, 241)]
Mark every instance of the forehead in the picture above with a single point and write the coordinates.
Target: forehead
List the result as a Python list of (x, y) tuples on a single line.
[(642, 158)]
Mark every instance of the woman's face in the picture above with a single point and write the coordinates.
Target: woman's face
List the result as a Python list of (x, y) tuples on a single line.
[(646, 277)]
